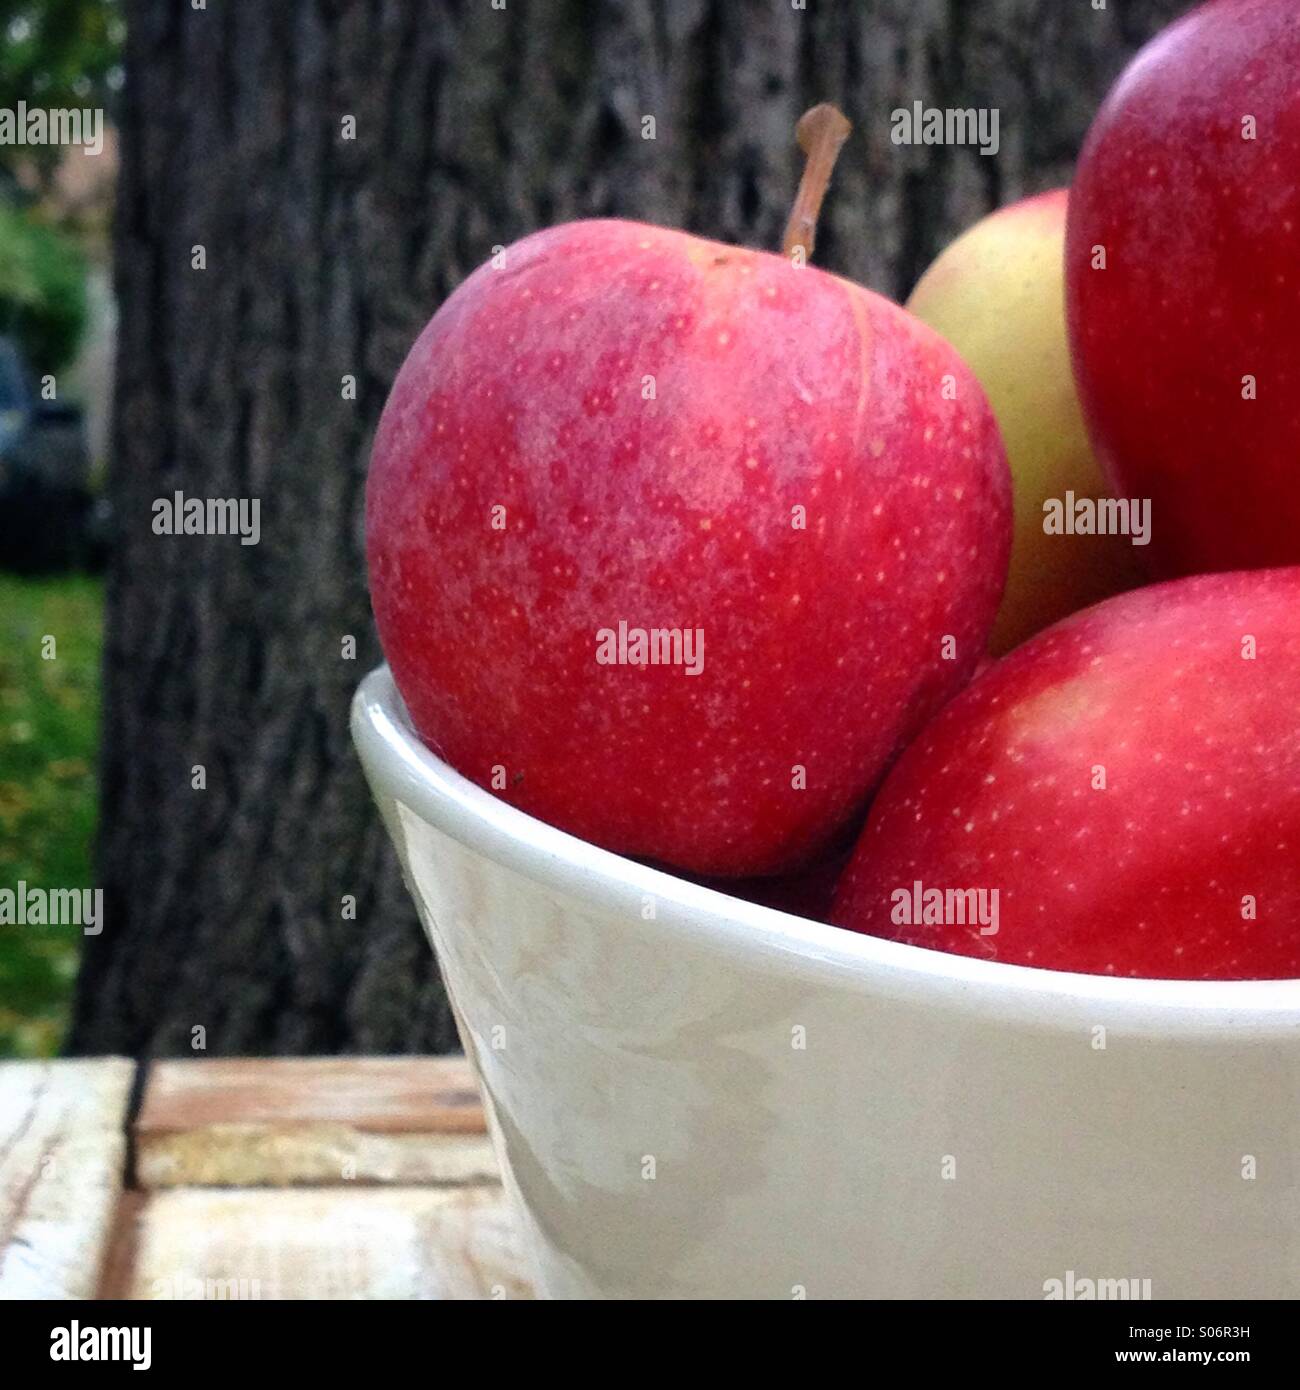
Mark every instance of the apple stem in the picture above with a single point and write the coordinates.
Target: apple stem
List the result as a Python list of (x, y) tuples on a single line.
[(821, 132)]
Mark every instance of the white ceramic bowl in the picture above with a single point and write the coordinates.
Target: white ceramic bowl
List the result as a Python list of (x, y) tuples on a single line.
[(693, 1096)]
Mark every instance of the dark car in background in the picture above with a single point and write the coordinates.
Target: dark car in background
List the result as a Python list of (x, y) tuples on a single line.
[(49, 520)]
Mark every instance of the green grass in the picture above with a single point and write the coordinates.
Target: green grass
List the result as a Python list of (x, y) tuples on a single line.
[(49, 735)]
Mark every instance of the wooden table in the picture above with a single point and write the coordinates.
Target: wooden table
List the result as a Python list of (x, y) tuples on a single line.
[(254, 1178)]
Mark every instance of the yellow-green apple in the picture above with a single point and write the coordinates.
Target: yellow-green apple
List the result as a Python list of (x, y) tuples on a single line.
[(1184, 286), (1120, 795), (998, 295), (674, 544)]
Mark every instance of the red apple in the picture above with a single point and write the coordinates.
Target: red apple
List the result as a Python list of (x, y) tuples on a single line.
[(1186, 336), (622, 424), (1128, 782), (808, 892)]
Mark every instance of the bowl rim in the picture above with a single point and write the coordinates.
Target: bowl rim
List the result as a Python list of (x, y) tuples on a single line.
[(400, 764)]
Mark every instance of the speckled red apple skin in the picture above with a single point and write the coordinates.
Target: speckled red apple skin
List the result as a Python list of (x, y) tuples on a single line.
[(775, 387), (1201, 287), (1200, 810)]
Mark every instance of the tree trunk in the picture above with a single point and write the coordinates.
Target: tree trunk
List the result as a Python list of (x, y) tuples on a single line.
[(324, 257)]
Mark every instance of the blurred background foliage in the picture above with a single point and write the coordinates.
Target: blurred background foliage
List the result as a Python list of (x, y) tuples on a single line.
[(57, 53), (49, 735), (53, 54), (42, 289)]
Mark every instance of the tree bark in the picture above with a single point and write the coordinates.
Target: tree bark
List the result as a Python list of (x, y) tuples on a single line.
[(324, 257)]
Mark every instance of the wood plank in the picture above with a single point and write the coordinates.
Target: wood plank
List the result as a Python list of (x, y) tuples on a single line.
[(311, 1121), (62, 1154), (352, 1243), (305, 1156), (375, 1094)]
